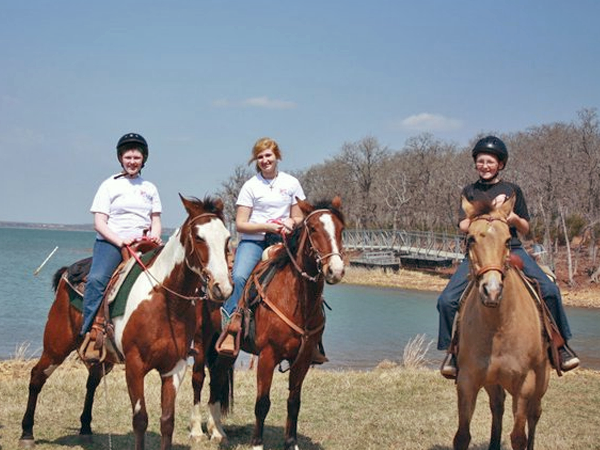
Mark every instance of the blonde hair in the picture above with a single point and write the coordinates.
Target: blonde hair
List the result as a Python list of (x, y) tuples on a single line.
[(260, 146)]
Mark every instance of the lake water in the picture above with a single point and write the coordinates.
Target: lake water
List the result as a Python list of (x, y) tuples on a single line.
[(366, 325)]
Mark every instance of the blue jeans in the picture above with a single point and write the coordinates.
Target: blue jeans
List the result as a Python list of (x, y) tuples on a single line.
[(248, 254), (105, 259), (448, 300)]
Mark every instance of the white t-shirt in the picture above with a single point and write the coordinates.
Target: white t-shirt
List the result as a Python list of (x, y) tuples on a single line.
[(269, 199), (128, 203)]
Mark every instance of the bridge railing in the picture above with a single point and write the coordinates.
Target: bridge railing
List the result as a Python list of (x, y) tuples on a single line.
[(427, 245)]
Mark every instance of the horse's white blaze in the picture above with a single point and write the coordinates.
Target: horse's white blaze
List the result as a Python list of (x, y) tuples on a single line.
[(178, 374), (172, 254), (196, 422), (213, 424), (50, 370), (137, 407), (336, 263), (215, 234)]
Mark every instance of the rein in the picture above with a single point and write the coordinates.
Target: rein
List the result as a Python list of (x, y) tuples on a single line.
[(491, 267), (319, 259), (204, 276)]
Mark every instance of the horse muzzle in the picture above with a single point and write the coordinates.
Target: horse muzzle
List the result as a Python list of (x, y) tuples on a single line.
[(490, 291), (334, 270)]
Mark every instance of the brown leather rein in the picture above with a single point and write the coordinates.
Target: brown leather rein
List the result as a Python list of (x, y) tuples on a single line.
[(318, 257), (491, 267), (205, 276)]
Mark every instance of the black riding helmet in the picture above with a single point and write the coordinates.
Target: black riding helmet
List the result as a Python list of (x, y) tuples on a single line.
[(493, 146), (132, 140)]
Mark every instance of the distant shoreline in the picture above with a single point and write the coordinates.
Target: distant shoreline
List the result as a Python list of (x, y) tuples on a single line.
[(46, 226)]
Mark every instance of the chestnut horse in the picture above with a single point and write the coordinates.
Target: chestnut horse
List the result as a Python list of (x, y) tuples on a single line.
[(289, 321), (501, 341), (157, 328)]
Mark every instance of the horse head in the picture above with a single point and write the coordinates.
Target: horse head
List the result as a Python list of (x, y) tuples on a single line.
[(206, 241), (323, 225), (488, 244)]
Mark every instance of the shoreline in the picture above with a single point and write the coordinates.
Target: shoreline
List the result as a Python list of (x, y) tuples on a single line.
[(581, 297)]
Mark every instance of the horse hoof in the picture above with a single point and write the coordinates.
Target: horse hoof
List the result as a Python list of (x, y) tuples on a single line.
[(26, 443), (197, 438), (221, 440)]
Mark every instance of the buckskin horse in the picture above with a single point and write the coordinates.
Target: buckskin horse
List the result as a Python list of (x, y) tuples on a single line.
[(157, 327), (288, 321), (501, 341)]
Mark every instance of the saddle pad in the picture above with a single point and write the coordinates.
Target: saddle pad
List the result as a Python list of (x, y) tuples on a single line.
[(117, 306)]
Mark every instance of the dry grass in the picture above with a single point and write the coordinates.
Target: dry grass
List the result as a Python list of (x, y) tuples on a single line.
[(387, 408)]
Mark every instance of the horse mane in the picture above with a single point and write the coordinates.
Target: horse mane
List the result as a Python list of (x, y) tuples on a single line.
[(210, 205), (326, 204), (56, 277)]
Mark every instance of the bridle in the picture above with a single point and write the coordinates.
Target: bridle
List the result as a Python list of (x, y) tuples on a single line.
[(205, 276), (319, 259), (480, 271)]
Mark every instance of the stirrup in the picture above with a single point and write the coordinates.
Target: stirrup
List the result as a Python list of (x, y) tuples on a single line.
[(229, 341), (448, 368), (91, 353)]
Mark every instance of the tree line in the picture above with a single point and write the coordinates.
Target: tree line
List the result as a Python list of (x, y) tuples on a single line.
[(418, 186)]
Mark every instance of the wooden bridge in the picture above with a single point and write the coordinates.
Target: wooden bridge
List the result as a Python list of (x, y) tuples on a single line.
[(418, 248)]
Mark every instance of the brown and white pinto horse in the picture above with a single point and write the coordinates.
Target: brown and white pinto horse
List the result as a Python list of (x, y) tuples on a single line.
[(289, 321), (157, 328), (501, 341)]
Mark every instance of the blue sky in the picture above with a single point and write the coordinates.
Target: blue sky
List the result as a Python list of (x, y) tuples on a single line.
[(202, 80)]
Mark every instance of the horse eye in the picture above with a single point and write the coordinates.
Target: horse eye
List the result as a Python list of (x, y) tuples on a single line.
[(199, 239)]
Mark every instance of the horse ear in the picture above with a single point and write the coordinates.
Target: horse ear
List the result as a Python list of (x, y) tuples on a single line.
[(467, 207), (508, 205), (188, 205), (305, 207), (337, 202), (218, 202)]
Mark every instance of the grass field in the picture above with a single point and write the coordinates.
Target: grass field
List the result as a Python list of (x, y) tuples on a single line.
[(386, 408)]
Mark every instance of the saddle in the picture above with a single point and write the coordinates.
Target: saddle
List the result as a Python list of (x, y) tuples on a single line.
[(241, 330), (96, 346), (549, 327)]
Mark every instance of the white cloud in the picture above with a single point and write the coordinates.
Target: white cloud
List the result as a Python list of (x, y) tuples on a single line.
[(427, 122), (255, 102)]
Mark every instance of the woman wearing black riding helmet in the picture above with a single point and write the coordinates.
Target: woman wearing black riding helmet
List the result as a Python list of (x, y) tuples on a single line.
[(125, 208), (490, 156)]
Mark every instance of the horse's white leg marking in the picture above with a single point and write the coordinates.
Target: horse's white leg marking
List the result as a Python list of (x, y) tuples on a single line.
[(50, 370), (336, 264), (196, 432), (138, 407), (178, 374), (257, 447), (213, 424)]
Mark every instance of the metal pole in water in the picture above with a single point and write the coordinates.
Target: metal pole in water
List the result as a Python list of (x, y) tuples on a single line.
[(45, 261)]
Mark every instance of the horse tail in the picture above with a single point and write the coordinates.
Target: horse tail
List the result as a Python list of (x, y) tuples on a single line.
[(57, 277)]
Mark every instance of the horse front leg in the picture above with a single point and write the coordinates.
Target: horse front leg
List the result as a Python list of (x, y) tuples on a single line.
[(297, 376), (264, 379), (467, 399), (95, 375), (135, 386), (497, 396), (170, 385)]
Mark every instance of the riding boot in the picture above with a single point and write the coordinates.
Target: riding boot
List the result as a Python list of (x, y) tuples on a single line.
[(449, 369), (318, 354), (92, 350), (228, 343)]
